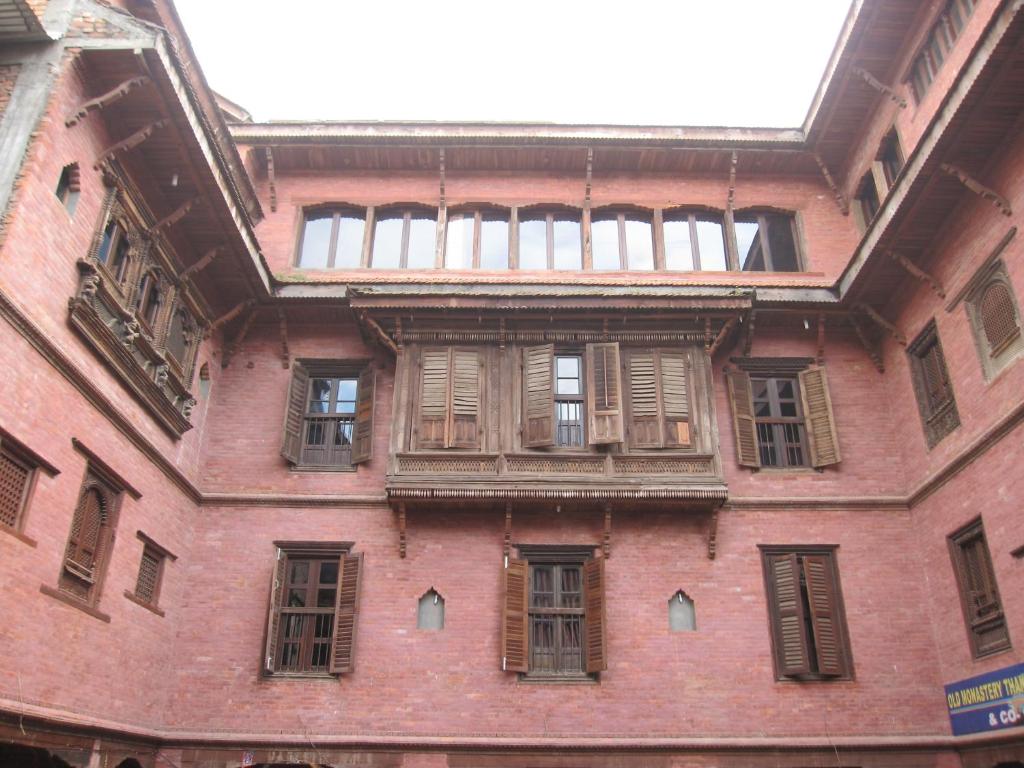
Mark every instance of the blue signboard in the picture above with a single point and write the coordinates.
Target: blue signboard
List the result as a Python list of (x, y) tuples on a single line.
[(987, 702)]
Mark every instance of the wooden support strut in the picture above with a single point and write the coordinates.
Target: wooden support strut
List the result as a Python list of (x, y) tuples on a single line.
[(232, 349), (883, 323), (820, 359), (507, 547), (231, 314), (271, 178), (100, 102), (840, 198), (879, 86), (713, 534), (730, 202), (379, 333), (870, 348), (748, 340), (200, 265), (722, 334), (978, 188), (132, 141), (606, 541), (401, 530), (175, 217), (917, 272), (282, 320)]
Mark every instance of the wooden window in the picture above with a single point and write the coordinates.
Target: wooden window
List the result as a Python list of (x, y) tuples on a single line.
[(890, 155), (805, 613), (603, 394), (995, 318), (69, 187), (937, 45), (622, 240), (88, 548), (314, 603), (782, 417), (150, 299), (550, 240), (659, 412), (932, 386), (767, 242), (694, 240), (449, 398), (867, 197), (329, 418), (19, 468), (477, 239), (979, 594), (569, 401), (539, 396), (331, 238), (114, 251), (404, 239), (150, 578), (554, 614)]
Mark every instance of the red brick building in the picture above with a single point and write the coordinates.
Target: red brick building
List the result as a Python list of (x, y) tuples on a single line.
[(601, 446)]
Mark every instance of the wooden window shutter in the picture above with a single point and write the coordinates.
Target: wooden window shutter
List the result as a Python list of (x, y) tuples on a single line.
[(465, 399), (604, 393), (980, 594), (998, 318), (515, 618), (594, 618), (821, 423), (295, 413), (675, 398), (362, 432), (538, 396), (644, 403), (14, 482), (85, 541), (274, 612), (346, 610), (825, 623), (433, 421), (787, 616), (743, 425)]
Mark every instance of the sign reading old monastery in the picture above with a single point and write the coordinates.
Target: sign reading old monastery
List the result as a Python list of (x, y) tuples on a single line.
[(987, 702)]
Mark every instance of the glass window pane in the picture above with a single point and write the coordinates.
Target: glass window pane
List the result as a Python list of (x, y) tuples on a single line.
[(568, 244), (533, 244), (422, 235), (678, 249), (458, 250), (387, 243), (319, 395), (711, 243), (604, 240), (639, 244), (346, 400), (568, 367), (781, 244), (329, 572), (748, 243), (316, 241), (494, 243), (350, 241), (108, 237)]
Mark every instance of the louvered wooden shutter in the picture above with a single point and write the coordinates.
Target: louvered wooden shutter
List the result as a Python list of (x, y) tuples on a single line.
[(743, 425), (433, 421), (594, 617), (675, 398), (346, 610), (825, 623), (787, 616), (936, 378), (538, 396), (85, 541), (274, 612), (295, 414), (604, 393), (465, 399), (515, 618), (644, 403), (821, 423), (362, 432), (998, 318)]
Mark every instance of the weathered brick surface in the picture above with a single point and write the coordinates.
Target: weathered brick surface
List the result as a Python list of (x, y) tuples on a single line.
[(8, 77)]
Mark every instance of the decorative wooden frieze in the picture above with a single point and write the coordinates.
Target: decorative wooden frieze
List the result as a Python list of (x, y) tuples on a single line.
[(915, 271), (698, 495), (978, 188), (101, 102), (540, 464), (879, 86), (555, 336), (840, 198), (434, 464), (129, 143), (663, 465)]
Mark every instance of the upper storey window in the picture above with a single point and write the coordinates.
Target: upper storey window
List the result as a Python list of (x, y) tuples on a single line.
[(938, 44), (404, 238), (332, 239), (550, 240), (477, 240), (114, 250), (694, 240), (622, 240), (767, 242)]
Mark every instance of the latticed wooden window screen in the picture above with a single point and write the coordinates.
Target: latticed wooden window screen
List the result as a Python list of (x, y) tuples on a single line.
[(932, 385), (998, 317), (148, 583), (14, 483), (89, 541), (979, 593)]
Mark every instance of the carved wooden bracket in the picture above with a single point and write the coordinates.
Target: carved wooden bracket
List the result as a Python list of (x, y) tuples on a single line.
[(132, 141), (917, 272), (401, 530), (231, 314), (840, 198), (590, 177), (606, 541), (508, 531), (200, 265), (271, 178), (821, 339), (713, 534), (978, 188), (379, 333), (173, 218), (722, 335), (748, 340), (232, 349), (891, 329), (879, 86), (731, 199), (872, 349), (283, 326), (100, 102)]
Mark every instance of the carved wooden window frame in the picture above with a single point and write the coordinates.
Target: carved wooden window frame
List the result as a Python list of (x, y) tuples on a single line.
[(937, 402), (994, 359), (982, 608)]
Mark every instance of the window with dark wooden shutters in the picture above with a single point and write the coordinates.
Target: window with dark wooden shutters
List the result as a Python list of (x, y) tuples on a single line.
[(86, 551), (295, 409), (819, 420), (362, 439), (659, 402), (979, 593), (274, 611), (465, 399), (807, 624), (594, 618), (998, 318), (515, 643), (149, 575), (743, 425), (538, 396), (675, 398), (449, 398), (15, 475), (932, 386), (604, 389), (644, 401), (346, 613), (433, 421)]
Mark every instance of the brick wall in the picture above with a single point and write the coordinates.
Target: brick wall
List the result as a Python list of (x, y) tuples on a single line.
[(8, 77)]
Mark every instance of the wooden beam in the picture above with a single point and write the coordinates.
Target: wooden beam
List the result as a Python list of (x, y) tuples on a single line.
[(917, 272), (978, 188), (200, 265), (379, 333), (283, 326), (871, 349), (236, 343), (176, 216), (606, 541), (401, 530), (132, 141), (713, 534), (231, 314), (100, 102), (590, 177), (271, 178), (879, 86), (840, 198), (891, 329), (508, 530), (722, 334), (731, 199), (821, 338), (748, 340)]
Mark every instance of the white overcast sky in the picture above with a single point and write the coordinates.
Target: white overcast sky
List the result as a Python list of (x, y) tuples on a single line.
[(687, 62)]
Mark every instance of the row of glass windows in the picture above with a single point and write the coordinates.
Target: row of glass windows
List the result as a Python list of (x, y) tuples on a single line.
[(548, 240)]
